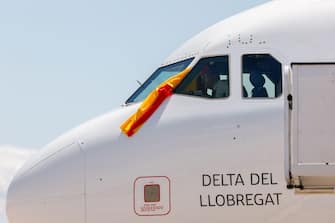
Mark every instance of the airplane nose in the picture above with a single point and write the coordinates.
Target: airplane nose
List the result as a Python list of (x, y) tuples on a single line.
[(52, 186), (50, 189)]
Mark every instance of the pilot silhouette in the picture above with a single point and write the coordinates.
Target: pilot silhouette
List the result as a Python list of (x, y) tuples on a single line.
[(258, 81)]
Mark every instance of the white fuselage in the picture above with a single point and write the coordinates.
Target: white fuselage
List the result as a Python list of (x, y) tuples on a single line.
[(224, 158)]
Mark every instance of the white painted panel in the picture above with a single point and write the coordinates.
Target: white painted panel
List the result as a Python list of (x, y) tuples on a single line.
[(313, 120)]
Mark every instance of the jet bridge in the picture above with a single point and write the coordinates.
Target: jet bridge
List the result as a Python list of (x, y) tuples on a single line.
[(310, 156)]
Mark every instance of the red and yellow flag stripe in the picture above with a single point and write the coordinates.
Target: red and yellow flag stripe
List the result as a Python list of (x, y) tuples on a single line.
[(152, 103)]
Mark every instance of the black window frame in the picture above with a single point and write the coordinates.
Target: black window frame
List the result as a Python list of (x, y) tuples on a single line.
[(281, 77), (191, 76)]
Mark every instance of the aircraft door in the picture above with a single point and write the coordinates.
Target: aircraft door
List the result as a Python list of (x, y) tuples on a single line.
[(311, 130)]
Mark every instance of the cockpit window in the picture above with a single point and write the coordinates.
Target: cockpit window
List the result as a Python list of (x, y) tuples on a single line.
[(158, 77), (261, 76), (209, 79)]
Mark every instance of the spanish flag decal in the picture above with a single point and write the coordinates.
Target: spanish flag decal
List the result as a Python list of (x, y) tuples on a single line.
[(151, 103)]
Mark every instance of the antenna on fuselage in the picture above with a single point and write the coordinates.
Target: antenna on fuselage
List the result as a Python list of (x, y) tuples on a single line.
[(139, 82)]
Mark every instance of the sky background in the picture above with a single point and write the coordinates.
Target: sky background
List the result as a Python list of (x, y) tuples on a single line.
[(66, 61)]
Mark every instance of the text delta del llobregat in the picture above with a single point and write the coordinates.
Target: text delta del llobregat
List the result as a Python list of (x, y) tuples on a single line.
[(239, 199)]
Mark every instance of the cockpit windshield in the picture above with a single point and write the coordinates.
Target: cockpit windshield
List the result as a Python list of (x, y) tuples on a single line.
[(158, 77)]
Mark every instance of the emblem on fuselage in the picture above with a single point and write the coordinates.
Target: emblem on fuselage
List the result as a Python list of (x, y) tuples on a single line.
[(152, 196)]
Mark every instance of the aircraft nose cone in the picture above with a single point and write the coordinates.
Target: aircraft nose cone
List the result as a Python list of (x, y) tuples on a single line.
[(20, 192), (49, 189)]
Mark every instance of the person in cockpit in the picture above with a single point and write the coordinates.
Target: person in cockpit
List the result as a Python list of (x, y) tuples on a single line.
[(258, 81), (214, 84)]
